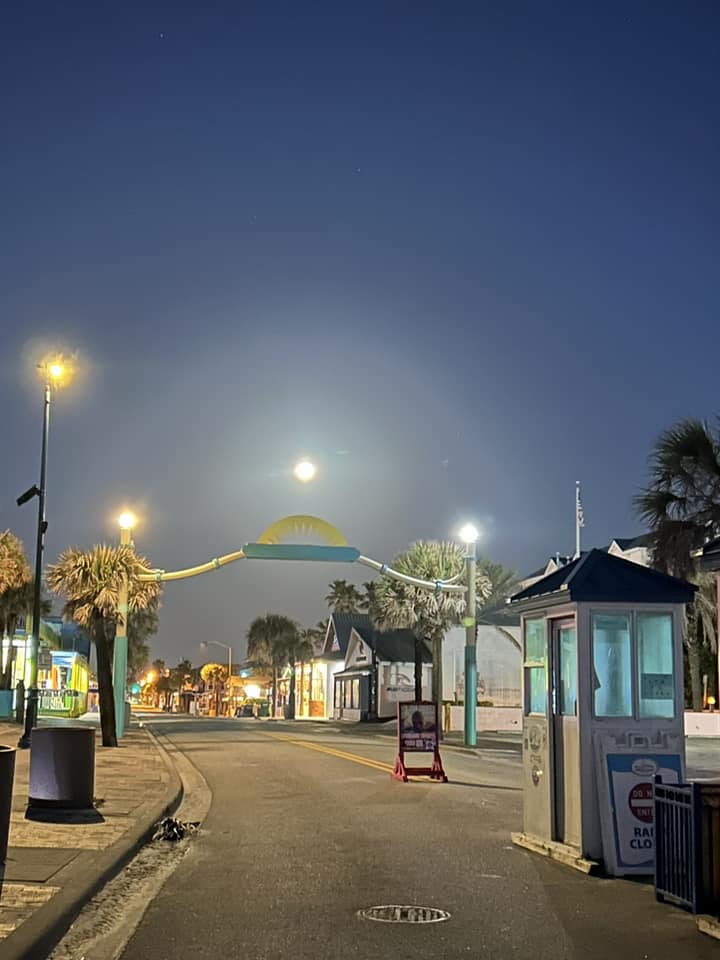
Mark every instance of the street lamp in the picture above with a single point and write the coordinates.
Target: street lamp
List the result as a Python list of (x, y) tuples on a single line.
[(55, 371), (304, 471), (126, 522), (218, 643), (469, 535)]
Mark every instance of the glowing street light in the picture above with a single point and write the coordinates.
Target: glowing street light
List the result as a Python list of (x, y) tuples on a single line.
[(54, 371), (469, 535), (304, 471), (126, 521)]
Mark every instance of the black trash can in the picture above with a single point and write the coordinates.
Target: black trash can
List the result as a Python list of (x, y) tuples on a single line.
[(7, 776), (62, 768)]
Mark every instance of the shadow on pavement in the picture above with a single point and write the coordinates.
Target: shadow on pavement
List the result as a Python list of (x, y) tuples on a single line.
[(68, 817)]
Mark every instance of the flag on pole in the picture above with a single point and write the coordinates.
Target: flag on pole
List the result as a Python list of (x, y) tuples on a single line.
[(580, 514), (579, 518)]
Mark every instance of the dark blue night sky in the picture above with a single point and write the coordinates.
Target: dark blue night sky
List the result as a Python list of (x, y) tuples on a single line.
[(460, 254)]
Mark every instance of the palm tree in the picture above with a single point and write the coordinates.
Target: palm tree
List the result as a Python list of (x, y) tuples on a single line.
[(90, 581), (141, 626), (215, 674), (368, 599), (344, 597), (14, 569), (15, 589), (502, 582), (16, 603), (268, 640), (428, 613), (681, 505)]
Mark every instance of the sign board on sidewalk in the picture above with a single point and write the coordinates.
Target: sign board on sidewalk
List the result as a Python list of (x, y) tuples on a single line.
[(418, 733), (626, 772), (418, 727)]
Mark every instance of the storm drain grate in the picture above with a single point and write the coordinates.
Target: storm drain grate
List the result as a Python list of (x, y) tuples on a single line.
[(393, 913)]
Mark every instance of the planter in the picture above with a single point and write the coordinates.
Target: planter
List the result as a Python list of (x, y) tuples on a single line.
[(7, 776), (62, 767)]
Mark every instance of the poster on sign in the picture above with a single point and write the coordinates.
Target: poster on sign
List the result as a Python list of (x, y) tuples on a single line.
[(630, 778), (418, 728), (418, 732)]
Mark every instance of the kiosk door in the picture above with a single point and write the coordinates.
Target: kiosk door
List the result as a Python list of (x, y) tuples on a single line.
[(566, 745)]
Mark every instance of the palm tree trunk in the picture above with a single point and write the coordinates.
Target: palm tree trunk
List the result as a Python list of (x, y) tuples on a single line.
[(437, 677), (418, 669), (291, 711), (274, 692), (105, 686), (693, 650)]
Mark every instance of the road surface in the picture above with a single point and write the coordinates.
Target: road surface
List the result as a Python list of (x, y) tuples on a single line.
[(306, 828)]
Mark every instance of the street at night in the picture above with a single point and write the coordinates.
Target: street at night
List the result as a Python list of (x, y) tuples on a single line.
[(306, 828)]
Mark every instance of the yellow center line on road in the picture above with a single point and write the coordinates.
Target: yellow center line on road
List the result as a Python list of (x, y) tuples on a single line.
[(332, 752)]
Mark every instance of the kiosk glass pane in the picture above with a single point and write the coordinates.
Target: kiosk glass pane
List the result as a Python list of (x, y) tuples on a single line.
[(613, 665), (535, 663), (655, 665), (537, 692), (568, 671), (535, 642)]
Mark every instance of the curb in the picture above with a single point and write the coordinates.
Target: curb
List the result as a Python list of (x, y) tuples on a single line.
[(708, 925), (39, 934)]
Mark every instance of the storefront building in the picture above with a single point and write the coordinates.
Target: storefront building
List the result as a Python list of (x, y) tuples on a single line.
[(378, 671), (313, 686)]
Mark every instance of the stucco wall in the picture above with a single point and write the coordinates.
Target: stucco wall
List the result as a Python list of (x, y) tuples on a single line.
[(496, 719)]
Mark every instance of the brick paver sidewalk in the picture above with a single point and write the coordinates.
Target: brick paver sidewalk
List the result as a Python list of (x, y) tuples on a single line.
[(53, 867)]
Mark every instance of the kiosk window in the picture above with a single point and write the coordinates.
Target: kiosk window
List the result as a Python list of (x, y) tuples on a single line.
[(568, 671), (535, 661), (613, 665), (655, 665)]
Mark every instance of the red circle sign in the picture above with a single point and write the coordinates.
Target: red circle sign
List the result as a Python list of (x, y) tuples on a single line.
[(640, 800)]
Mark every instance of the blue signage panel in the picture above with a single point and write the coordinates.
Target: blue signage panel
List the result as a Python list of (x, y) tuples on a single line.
[(300, 551)]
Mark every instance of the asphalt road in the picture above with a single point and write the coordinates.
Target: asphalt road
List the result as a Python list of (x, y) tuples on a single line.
[(306, 828)]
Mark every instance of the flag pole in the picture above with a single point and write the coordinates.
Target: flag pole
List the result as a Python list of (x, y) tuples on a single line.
[(578, 524)]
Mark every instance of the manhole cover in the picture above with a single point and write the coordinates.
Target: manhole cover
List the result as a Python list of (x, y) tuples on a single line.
[(393, 913)]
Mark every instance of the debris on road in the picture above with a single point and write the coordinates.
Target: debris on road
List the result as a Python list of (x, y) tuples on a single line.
[(173, 829)]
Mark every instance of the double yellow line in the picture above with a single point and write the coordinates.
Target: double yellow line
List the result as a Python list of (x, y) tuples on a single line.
[(332, 752)]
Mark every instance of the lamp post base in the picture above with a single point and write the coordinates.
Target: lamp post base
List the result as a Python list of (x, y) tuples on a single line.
[(31, 712)]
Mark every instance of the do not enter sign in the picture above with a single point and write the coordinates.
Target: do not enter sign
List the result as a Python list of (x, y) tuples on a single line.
[(640, 800)]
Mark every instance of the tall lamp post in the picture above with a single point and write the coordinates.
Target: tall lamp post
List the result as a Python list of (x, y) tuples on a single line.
[(218, 643), (469, 536), (126, 522), (53, 373)]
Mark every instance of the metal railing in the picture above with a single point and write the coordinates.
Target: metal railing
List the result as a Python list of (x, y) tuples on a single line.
[(687, 845)]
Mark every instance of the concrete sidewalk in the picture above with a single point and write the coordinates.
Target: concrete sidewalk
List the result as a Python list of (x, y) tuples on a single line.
[(54, 868)]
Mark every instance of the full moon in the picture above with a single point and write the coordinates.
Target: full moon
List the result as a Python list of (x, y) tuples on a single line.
[(304, 471)]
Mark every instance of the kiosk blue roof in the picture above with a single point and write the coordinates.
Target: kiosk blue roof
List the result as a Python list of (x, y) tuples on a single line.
[(599, 577)]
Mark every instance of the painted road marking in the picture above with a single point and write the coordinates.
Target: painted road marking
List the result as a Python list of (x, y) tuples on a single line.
[(332, 752)]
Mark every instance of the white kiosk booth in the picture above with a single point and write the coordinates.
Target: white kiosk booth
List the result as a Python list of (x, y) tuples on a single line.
[(603, 709)]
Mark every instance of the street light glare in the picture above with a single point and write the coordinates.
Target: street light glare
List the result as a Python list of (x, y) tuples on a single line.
[(469, 533), (305, 471), (127, 520), (57, 369)]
